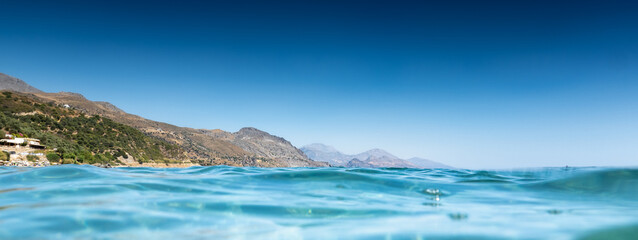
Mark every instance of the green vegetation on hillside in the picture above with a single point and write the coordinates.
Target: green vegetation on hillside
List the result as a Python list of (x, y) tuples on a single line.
[(77, 137), (4, 156)]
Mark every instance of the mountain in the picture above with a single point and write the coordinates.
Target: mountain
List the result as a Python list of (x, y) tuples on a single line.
[(386, 161), (371, 158), (324, 153), (268, 146), (425, 163), (14, 84), (356, 163), (247, 147), (72, 137), (375, 153)]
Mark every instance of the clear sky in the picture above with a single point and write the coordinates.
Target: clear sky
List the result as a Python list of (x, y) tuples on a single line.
[(474, 84)]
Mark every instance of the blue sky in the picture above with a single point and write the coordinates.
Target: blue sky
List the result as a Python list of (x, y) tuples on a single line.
[(475, 84)]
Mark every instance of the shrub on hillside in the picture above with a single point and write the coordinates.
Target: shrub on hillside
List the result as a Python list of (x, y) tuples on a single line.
[(4, 156), (52, 157), (68, 161), (32, 158)]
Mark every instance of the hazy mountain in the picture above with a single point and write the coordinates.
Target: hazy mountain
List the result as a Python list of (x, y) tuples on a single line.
[(374, 157), (375, 153), (425, 163), (324, 153), (371, 158), (386, 161), (356, 163), (14, 84), (247, 147)]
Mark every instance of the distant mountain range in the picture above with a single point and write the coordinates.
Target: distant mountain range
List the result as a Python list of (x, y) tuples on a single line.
[(371, 158), (247, 147)]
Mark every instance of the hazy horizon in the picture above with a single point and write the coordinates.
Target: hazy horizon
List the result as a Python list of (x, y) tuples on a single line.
[(494, 84)]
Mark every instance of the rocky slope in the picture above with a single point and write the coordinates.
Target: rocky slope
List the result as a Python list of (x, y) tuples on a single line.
[(247, 147), (14, 84), (371, 158), (263, 144)]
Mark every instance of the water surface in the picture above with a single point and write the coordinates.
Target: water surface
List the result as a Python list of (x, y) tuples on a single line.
[(81, 202)]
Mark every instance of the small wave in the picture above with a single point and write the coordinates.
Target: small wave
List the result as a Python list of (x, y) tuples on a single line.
[(618, 233), (605, 183)]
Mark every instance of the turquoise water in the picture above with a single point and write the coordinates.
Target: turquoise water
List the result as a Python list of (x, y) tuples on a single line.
[(85, 202)]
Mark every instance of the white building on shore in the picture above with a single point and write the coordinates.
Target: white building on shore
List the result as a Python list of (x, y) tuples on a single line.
[(31, 142)]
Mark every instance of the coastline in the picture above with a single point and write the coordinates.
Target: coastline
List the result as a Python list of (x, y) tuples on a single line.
[(46, 163)]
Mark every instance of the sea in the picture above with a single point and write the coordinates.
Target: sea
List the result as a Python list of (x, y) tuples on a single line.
[(221, 202)]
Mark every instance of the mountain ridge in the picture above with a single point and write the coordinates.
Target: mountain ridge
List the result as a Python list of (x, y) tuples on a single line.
[(15, 84), (68, 136), (246, 147)]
